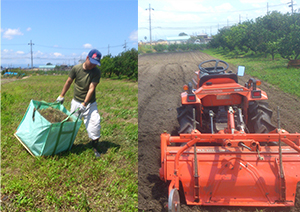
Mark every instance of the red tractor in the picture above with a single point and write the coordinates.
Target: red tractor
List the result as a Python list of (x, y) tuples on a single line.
[(228, 152)]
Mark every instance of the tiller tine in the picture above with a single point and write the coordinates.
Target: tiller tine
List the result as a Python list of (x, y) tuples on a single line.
[(239, 171)]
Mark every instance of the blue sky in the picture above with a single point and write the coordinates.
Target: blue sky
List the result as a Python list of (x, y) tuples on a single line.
[(63, 31), (171, 17)]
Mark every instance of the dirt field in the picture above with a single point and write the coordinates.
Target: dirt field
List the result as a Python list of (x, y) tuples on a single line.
[(161, 77)]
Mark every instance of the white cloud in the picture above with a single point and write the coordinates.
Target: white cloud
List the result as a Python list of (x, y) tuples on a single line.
[(224, 7), (192, 6), (133, 35), (256, 5), (38, 53), (10, 33), (253, 1), (56, 54), (84, 54), (28, 29), (22, 58), (87, 46)]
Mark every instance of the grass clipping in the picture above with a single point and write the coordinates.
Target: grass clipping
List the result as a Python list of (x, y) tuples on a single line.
[(53, 115)]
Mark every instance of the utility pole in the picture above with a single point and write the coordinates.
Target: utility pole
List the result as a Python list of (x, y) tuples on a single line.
[(150, 23), (267, 8), (292, 6), (108, 50), (125, 46), (31, 53)]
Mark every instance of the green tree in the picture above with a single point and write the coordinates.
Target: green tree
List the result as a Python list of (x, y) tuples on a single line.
[(182, 34), (130, 63), (173, 47), (160, 47), (123, 65), (289, 45), (106, 66)]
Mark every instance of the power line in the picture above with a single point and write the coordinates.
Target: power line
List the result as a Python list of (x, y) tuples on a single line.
[(83, 48), (16, 44), (62, 58), (125, 46), (213, 25), (5, 56), (191, 12), (220, 12), (70, 48)]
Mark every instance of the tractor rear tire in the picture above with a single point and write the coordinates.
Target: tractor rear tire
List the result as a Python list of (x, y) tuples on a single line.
[(185, 118), (259, 117), (296, 207)]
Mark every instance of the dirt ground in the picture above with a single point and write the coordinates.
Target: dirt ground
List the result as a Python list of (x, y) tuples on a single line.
[(161, 77), (8, 80)]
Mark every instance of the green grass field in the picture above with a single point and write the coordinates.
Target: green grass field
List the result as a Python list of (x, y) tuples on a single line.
[(73, 180), (264, 68)]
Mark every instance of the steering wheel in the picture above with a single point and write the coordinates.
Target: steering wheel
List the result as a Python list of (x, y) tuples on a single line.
[(213, 70)]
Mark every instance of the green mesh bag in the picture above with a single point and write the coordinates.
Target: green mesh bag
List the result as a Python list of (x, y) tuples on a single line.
[(41, 137)]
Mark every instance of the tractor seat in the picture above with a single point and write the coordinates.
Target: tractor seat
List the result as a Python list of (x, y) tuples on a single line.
[(205, 78)]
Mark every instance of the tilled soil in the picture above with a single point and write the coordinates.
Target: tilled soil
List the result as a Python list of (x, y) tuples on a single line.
[(161, 77)]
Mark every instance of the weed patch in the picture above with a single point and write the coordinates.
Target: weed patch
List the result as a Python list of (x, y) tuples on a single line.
[(72, 180)]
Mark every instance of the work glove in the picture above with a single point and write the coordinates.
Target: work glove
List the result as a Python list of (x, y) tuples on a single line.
[(82, 108), (60, 99)]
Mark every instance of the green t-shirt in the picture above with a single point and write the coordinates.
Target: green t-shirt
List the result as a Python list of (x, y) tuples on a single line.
[(83, 79)]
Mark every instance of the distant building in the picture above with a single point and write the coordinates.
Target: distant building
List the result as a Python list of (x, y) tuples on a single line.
[(178, 39), (46, 67), (162, 42), (203, 38), (202, 35)]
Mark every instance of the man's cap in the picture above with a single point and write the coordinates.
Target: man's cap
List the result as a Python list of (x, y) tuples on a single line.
[(95, 57)]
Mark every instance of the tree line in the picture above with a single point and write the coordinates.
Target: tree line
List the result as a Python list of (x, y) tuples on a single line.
[(178, 47), (274, 33), (124, 65)]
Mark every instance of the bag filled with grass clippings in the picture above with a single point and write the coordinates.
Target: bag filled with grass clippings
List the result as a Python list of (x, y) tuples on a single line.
[(47, 128)]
